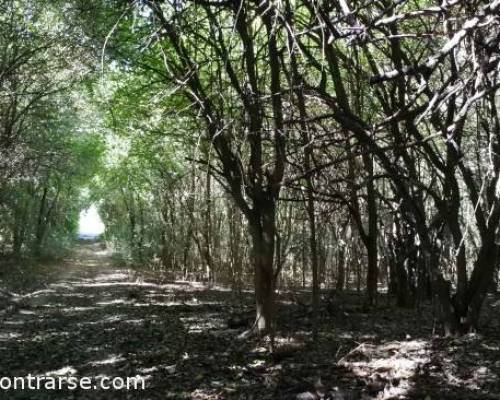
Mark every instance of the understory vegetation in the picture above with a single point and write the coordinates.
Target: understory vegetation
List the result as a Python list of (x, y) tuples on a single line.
[(325, 173)]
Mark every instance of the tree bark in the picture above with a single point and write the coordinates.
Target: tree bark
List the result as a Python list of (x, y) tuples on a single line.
[(371, 239), (262, 228)]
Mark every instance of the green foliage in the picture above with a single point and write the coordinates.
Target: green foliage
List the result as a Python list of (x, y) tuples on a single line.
[(50, 138), (142, 165)]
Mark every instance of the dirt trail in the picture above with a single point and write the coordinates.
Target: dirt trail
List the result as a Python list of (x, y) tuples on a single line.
[(96, 320)]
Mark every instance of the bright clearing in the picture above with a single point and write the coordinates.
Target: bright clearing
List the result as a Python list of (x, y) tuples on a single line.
[(90, 224)]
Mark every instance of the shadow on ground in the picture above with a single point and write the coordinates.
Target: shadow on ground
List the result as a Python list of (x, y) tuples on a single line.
[(98, 320)]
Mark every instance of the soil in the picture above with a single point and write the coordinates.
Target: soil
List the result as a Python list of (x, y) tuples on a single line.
[(92, 317)]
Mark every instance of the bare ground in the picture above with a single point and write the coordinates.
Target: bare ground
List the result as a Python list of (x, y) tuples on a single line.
[(92, 318)]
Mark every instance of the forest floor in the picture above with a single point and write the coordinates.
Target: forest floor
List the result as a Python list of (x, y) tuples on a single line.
[(89, 317)]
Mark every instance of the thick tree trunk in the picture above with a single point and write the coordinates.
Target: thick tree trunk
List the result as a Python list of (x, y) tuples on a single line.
[(481, 278), (399, 265), (460, 260), (263, 237)]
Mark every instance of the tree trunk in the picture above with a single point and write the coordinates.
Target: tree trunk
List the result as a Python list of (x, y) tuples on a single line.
[(480, 280), (314, 257), (263, 246), (40, 226), (310, 206), (371, 239), (235, 223), (339, 286), (207, 231), (18, 241), (342, 240), (191, 224)]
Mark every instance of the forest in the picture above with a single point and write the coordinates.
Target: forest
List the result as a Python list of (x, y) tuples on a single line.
[(300, 199)]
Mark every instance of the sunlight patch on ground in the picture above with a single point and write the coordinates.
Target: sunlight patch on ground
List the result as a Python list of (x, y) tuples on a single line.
[(62, 285), (388, 367), (200, 324), (26, 312), (113, 302), (39, 292), (101, 283), (77, 295), (71, 310), (53, 305), (5, 336), (114, 318), (112, 359), (133, 321), (19, 322), (60, 372), (167, 303), (112, 284), (112, 277), (147, 370), (47, 336)]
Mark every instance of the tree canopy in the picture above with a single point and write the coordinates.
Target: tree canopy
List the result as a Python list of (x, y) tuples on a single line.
[(264, 145)]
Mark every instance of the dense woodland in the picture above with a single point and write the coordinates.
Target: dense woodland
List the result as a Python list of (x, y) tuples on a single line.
[(319, 151)]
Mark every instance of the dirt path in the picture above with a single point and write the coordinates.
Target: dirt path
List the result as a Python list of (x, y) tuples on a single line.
[(99, 320)]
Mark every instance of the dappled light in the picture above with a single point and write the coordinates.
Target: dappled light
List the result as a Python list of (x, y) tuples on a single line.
[(389, 367), (250, 200), (179, 340), (61, 372), (112, 359)]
